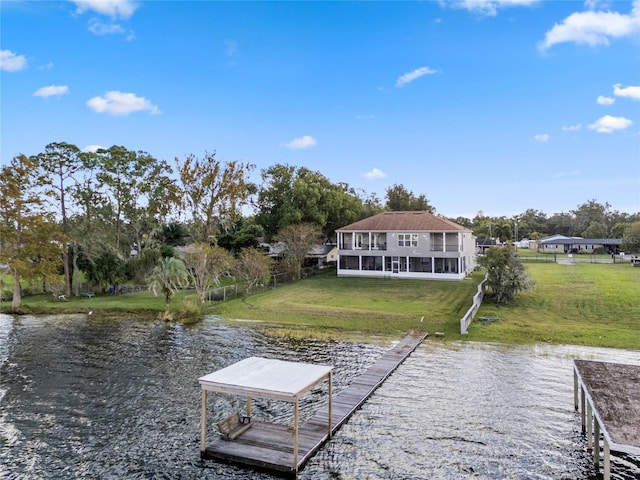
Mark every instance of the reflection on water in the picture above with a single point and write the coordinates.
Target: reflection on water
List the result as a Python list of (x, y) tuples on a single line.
[(84, 397)]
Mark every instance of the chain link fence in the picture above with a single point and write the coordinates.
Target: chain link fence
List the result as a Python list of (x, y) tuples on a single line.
[(235, 290)]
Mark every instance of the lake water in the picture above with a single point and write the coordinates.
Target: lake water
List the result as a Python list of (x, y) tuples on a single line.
[(88, 397)]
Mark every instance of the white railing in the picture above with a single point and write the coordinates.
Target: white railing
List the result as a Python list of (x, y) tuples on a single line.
[(466, 320)]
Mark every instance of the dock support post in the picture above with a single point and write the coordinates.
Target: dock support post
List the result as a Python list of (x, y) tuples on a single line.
[(596, 445), (589, 427), (203, 425), (329, 422), (575, 388), (582, 409), (249, 406), (295, 436), (607, 461)]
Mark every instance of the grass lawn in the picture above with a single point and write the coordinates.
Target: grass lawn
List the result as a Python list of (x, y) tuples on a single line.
[(581, 304), (144, 303), (329, 306)]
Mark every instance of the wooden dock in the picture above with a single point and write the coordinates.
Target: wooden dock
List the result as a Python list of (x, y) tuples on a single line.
[(609, 397), (268, 446)]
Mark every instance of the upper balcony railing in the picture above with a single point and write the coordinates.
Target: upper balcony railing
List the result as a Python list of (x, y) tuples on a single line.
[(363, 246), (447, 248)]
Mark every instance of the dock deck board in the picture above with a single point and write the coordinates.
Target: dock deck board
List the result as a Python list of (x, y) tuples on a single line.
[(269, 446)]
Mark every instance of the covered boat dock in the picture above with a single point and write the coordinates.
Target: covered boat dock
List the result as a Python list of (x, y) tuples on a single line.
[(279, 448), (271, 379), (608, 395)]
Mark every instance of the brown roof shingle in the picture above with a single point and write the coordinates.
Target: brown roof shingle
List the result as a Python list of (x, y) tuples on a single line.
[(404, 221)]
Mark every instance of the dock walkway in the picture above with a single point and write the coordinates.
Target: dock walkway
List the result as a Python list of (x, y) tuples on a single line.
[(609, 397), (269, 446)]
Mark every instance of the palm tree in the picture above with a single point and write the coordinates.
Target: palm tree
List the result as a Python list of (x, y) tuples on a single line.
[(169, 276), (503, 232)]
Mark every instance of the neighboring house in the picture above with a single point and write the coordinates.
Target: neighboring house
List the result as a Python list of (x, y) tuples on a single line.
[(484, 244), (319, 256), (406, 245), (275, 250), (562, 244)]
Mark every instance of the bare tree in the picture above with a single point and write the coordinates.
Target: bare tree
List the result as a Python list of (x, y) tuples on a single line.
[(206, 264), (298, 240), (253, 267)]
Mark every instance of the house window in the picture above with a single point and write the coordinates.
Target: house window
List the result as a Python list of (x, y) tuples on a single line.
[(357, 241), (372, 263), (378, 241), (446, 265), (420, 264), (349, 262), (407, 239)]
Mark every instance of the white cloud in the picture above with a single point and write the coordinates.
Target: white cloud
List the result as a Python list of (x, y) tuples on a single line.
[(303, 142), (411, 76), (48, 66), (572, 128), (542, 137), (51, 91), (608, 124), (602, 100), (631, 92), (10, 62), (486, 7), (111, 8), (594, 27), (93, 148), (99, 28), (120, 103), (373, 174)]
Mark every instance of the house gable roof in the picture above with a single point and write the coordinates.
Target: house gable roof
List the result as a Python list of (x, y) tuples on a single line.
[(418, 221), (554, 238)]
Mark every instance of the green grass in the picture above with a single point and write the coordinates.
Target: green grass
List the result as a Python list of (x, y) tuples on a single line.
[(581, 304), (525, 254), (144, 303), (330, 306)]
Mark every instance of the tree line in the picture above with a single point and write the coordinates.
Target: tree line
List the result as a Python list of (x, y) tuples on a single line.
[(115, 214)]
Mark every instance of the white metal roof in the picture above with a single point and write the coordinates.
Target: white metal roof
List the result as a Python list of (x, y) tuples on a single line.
[(265, 377)]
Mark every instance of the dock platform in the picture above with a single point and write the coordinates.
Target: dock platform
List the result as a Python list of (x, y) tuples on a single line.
[(608, 395), (275, 448)]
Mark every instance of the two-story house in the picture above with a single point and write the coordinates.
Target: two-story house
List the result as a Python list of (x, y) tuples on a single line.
[(406, 245)]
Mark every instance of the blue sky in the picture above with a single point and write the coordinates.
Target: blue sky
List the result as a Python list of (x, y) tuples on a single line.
[(485, 105)]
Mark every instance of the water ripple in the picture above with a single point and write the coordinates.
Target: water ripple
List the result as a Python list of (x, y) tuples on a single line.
[(84, 397)]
